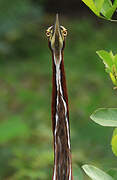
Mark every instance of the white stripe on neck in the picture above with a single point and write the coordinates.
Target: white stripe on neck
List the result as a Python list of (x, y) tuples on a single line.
[(59, 87)]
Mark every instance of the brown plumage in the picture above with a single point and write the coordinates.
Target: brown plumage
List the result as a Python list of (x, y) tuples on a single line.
[(60, 110)]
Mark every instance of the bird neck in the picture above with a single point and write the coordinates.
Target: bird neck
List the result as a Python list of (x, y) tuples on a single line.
[(60, 121)]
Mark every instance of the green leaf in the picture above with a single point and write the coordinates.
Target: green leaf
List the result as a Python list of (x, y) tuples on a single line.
[(114, 142), (106, 57), (110, 62), (95, 173), (99, 4), (106, 6), (111, 10), (114, 145), (102, 8), (115, 132), (105, 117), (91, 5), (13, 128), (113, 79), (113, 173), (115, 60)]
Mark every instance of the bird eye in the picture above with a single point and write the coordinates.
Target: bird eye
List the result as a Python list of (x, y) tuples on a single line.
[(47, 33), (65, 32)]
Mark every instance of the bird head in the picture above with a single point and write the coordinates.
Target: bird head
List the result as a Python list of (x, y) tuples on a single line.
[(56, 36)]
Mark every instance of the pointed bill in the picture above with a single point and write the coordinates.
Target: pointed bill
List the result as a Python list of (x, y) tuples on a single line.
[(57, 41), (57, 27)]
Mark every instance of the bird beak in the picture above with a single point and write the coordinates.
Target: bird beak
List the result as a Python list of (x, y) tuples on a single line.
[(57, 40), (57, 27)]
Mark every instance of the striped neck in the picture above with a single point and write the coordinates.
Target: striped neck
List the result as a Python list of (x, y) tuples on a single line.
[(60, 120)]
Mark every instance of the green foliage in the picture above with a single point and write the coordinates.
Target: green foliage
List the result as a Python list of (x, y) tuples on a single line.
[(15, 14), (31, 164), (110, 62), (15, 17), (105, 117), (77, 173), (108, 117), (113, 173), (13, 128), (95, 173), (114, 142), (108, 59), (25, 91), (102, 8), (92, 6)]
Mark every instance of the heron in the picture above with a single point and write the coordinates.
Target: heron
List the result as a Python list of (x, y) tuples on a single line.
[(62, 170)]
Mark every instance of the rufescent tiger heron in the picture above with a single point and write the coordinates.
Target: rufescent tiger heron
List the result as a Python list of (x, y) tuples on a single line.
[(60, 112)]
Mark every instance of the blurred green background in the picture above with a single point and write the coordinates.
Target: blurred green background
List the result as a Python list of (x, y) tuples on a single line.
[(26, 150)]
